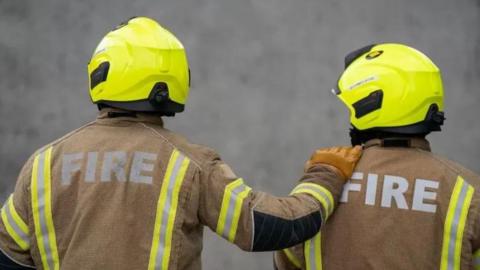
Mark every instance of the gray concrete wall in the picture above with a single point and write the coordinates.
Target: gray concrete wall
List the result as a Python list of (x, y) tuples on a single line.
[(262, 70)]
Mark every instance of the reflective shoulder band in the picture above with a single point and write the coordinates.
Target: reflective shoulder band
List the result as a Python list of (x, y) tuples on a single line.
[(455, 224), (313, 253), (318, 192), (15, 226), (42, 210), (167, 211), (292, 258), (233, 197)]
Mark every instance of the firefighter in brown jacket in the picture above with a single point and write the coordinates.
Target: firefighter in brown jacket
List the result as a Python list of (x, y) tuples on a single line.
[(125, 193), (404, 207)]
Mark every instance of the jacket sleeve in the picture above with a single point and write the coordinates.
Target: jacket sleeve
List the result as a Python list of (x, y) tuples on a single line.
[(257, 221), (15, 232)]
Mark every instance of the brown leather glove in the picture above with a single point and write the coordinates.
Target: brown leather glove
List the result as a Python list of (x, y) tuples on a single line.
[(343, 158)]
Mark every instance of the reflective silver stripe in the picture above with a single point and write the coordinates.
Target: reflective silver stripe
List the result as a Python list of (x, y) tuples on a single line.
[(455, 224), (313, 253), (166, 211), (231, 209), (454, 227), (41, 209), (14, 224), (329, 205), (317, 190)]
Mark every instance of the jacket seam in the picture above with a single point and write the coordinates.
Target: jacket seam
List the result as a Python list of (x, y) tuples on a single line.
[(474, 226), (197, 164), (290, 217), (294, 217), (60, 140), (252, 209), (181, 222), (441, 161)]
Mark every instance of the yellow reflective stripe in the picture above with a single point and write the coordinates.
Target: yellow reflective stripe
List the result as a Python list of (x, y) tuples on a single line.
[(231, 209), (461, 225), (48, 209), (160, 207), (35, 211), (316, 196), (236, 214), (318, 192), (167, 211), (16, 217), (318, 251), (225, 204), (455, 224), (171, 218), (15, 226), (42, 210), (476, 260), (306, 251), (292, 258), (313, 253), (448, 221)]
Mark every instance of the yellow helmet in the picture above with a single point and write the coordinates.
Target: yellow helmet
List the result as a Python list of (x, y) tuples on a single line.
[(140, 66), (392, 88)]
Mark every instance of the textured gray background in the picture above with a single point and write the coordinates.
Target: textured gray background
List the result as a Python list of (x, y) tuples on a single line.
[(262, 70)]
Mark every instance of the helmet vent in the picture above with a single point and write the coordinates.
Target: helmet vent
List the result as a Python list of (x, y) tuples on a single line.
[(368, 104), (99, 75)]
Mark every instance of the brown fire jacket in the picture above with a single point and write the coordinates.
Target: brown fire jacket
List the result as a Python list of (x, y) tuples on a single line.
[(404, 208), (125, 193)]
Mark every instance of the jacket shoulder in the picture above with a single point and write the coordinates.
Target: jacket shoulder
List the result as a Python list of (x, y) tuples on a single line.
[(458, 170), (199, 154), (466, 173), (61, 139)]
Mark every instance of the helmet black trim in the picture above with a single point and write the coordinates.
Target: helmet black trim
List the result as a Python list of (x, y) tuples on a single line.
[(349, 59), (356, 54), (433, 122), (158, 102)]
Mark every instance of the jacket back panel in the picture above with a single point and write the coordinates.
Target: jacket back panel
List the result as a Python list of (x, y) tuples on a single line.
[(393, 213)]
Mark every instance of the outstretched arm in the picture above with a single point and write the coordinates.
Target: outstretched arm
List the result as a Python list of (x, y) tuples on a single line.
[(257, 221)]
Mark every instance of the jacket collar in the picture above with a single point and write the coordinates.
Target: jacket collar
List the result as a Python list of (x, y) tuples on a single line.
[(419, 143), (113, 115)]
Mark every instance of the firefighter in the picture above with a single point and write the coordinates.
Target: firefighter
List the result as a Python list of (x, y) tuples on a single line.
[(404, 207), (123, 192)]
